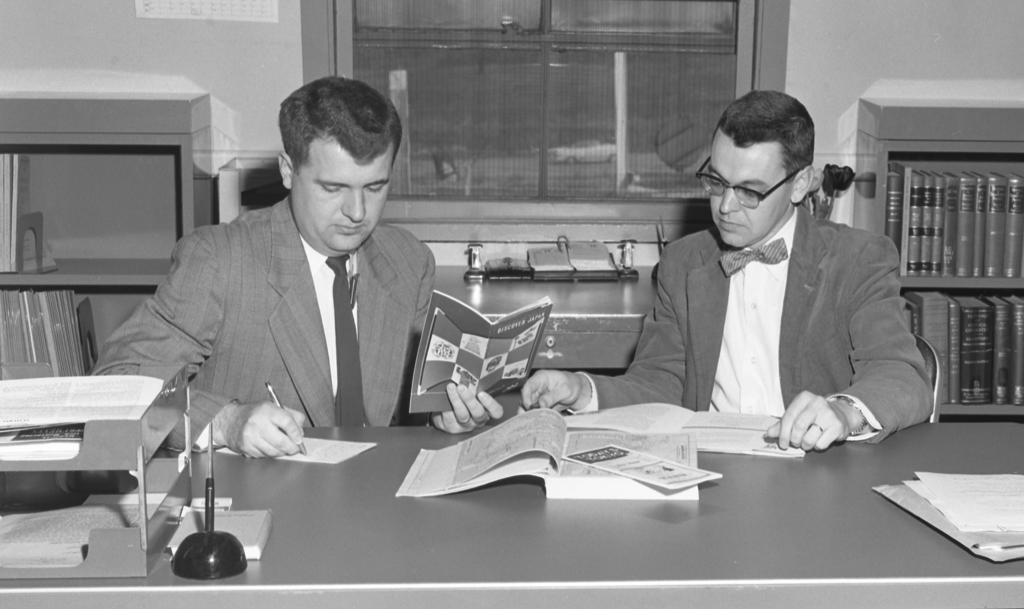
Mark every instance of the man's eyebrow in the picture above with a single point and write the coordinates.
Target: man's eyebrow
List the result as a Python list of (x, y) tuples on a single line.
[(381, 182), (743, 183)]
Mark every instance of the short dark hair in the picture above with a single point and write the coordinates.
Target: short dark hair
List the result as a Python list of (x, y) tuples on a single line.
[(771, 116), (355, 115)]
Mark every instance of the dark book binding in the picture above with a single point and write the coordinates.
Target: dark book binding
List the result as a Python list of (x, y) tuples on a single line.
[(967, 193), (1014, 226), (995, 224), (977, 329)]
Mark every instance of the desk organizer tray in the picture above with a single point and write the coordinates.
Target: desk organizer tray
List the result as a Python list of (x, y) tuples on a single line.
[(125, 445)]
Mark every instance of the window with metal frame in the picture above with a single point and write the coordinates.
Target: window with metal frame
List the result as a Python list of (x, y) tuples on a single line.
[(549, 100)]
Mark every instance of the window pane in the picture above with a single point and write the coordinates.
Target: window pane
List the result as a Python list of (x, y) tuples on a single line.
[(508, 115), (668, 122), (474, 121), (447, 14), (643, 16)]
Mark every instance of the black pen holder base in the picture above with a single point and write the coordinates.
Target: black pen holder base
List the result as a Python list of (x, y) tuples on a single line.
[(209, 555)]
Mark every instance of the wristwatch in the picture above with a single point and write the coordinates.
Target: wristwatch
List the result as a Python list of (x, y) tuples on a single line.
[(847, 400)]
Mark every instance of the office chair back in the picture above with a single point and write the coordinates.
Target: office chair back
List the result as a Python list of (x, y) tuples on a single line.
[(931, 365)]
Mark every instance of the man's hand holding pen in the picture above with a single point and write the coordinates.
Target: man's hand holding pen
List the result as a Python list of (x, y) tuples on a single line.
[(259, 429)]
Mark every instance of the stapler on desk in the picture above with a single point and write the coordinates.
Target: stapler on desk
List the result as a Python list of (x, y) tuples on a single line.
[(474, 271)]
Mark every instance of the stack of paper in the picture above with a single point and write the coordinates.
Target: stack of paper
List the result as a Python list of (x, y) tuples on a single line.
[(975, 503), (44, 418), (984, 513)]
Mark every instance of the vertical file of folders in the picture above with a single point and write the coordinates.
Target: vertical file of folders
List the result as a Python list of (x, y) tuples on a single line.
[(39, 331)]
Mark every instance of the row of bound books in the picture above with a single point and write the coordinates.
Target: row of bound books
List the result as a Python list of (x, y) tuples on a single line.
[(40, 330), (955, 223), (979, 341)]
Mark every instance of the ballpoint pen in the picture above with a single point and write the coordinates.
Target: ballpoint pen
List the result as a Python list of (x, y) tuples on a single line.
[(273, 396)]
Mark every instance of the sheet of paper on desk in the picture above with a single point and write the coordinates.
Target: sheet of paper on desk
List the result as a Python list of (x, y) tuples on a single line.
[(325, 451), (976, 502), (75, 399)]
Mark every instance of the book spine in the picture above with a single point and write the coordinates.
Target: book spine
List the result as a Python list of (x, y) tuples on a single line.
[(915, 228), (950, 229), (980, 212), (933, 325), (894, 207), (1001, 341), (1017, 350), (995, 225), (938, 226), (953, 366), (912, 310), (966, 197), (928, 209), (1014, 226), (976, 338)]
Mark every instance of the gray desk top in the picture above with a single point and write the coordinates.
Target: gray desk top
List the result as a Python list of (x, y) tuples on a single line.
[(770, 533)]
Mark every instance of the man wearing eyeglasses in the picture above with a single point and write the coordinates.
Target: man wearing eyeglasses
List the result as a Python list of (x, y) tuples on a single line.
[(770, 312)]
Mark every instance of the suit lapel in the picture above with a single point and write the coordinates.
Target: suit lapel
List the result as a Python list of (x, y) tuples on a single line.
[(707, 289), (295, 324), (801, 285), (380, 345)]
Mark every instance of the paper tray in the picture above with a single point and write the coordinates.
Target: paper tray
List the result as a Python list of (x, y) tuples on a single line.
[(126, 445)]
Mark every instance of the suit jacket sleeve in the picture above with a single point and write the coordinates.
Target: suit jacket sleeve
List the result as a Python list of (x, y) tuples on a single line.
[(176, 327), (888, 371), (658, 370)]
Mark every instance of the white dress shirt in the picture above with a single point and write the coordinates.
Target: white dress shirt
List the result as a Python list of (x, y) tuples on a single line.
[(747, 377)]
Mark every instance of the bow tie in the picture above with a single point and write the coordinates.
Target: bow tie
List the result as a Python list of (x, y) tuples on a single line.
[(770, 253)]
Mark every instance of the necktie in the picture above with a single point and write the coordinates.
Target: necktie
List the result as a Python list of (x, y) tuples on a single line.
[(770, 253), (348, 402)]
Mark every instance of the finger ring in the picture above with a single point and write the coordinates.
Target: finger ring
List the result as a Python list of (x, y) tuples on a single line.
[(820, 428)]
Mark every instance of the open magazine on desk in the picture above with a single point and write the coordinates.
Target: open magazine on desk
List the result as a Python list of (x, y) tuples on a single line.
[(534, 444), (717, 432)]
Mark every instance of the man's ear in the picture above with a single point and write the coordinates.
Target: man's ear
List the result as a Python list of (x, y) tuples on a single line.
[(284, 164), (803, 183)]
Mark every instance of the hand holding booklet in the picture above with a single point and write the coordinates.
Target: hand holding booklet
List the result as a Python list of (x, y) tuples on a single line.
[(535, 443), (459, 345)]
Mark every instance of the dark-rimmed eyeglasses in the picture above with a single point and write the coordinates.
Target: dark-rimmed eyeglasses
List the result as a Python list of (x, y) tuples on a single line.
[(747, 197)]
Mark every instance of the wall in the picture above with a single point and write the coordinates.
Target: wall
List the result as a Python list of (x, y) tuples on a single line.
[(100, 45), (841, 50)]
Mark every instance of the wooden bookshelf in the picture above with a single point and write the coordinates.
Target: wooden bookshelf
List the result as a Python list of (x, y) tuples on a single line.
[(939, 136), (114, 177)]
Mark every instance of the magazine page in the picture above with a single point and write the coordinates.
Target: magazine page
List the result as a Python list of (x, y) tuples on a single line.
[(530, 443), (651, 417), (721, 432), (455, 348), (575, 481)]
